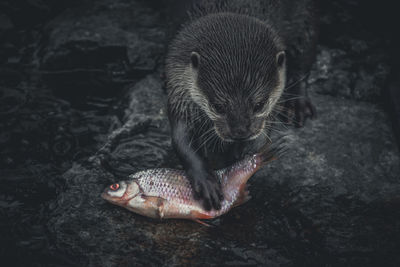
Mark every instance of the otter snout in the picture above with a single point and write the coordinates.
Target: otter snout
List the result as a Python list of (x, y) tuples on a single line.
[(240, 132)]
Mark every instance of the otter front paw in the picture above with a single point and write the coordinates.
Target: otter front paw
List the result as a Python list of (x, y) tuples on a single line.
[(303, 109), (298, 110), (207, 188)]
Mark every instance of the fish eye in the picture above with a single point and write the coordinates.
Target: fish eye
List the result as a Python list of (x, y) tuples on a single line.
[(114, 187)]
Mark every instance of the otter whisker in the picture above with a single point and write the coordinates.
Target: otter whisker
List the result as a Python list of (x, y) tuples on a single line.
[(289, 94), (298, 81), (206, 139), (290, 99), (265, 134), (284, 114), (275, 130)]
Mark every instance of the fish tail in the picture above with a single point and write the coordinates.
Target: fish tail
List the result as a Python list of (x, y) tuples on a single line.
[(270, 152)]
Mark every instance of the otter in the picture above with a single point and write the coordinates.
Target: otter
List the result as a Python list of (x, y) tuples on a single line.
[(226, 70)]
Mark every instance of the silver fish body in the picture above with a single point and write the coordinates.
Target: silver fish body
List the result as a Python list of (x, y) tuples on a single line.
[(167, 193)]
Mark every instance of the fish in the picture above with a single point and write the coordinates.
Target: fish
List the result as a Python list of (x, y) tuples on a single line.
[(164, 193)]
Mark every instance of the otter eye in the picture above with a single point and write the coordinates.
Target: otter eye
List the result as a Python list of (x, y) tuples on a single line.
[(114, 187), (220, 109), (258, 107)]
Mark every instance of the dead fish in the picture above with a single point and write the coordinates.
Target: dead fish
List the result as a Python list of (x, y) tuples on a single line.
[(166, 193)]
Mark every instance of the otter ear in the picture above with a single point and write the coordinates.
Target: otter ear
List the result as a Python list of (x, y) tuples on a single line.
[(280, 59), (195, 59)]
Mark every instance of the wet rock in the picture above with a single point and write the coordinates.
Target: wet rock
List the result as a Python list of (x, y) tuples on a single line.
[(309, 208), (354, 60), (142, 141), (30, 13), (392, 102), (11, 100), (346, 160), (6, 26), (38, 128), (340, 73), (5, 23), (350, 148), (145, 128), (10, 77), (102, 43)]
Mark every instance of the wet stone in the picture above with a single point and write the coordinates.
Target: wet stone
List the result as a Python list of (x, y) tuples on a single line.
[(5, 23), (105, 32), (98, 48), (145, 128), (336, 73), (320, 196)]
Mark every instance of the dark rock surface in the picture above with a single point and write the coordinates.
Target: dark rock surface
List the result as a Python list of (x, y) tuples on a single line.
[(351, 59), (83, 105), (337, 73), (335, 192), (27, 14), (98, 47), (96, 34), (5, 23)]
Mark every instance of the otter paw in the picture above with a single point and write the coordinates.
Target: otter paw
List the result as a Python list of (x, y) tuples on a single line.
[(207, 188), (304, 109), (298, 110)]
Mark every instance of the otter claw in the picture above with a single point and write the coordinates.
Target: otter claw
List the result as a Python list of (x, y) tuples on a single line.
[(304, 109), (298, 110)]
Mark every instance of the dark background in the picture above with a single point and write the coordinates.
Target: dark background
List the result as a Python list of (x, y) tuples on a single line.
[(81, 106)]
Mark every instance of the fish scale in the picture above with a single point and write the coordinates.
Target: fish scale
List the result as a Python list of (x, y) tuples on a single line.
[(174, 186)]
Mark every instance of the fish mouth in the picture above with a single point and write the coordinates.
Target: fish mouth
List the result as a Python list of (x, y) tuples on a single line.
[(125, 198), (104, 195), (119, 201), (109, 198)]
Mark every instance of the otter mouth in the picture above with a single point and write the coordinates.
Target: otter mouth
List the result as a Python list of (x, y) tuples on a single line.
[(230, 139), (222, 137)]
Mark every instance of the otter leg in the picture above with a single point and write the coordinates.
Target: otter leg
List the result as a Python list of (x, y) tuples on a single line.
[(205, 184), (303, 106), (299, 102)]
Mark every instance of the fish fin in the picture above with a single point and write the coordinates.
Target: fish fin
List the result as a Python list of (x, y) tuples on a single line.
[(157, 203), (270, 152), (200, 215), (196, 216), (201, 222)]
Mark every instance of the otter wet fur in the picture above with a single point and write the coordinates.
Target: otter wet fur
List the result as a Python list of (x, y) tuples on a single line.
[(167, 193), (228, 70)]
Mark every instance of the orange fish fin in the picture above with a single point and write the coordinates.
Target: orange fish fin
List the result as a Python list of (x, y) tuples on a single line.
[(271, 152), (196, 216), (201, 222), (243, 195), (156, 203), (199, 215)]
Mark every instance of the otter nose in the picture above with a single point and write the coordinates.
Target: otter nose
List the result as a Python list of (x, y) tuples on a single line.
[(240, 133)]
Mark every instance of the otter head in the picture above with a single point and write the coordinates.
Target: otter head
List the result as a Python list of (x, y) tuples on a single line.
[(237, 80)]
